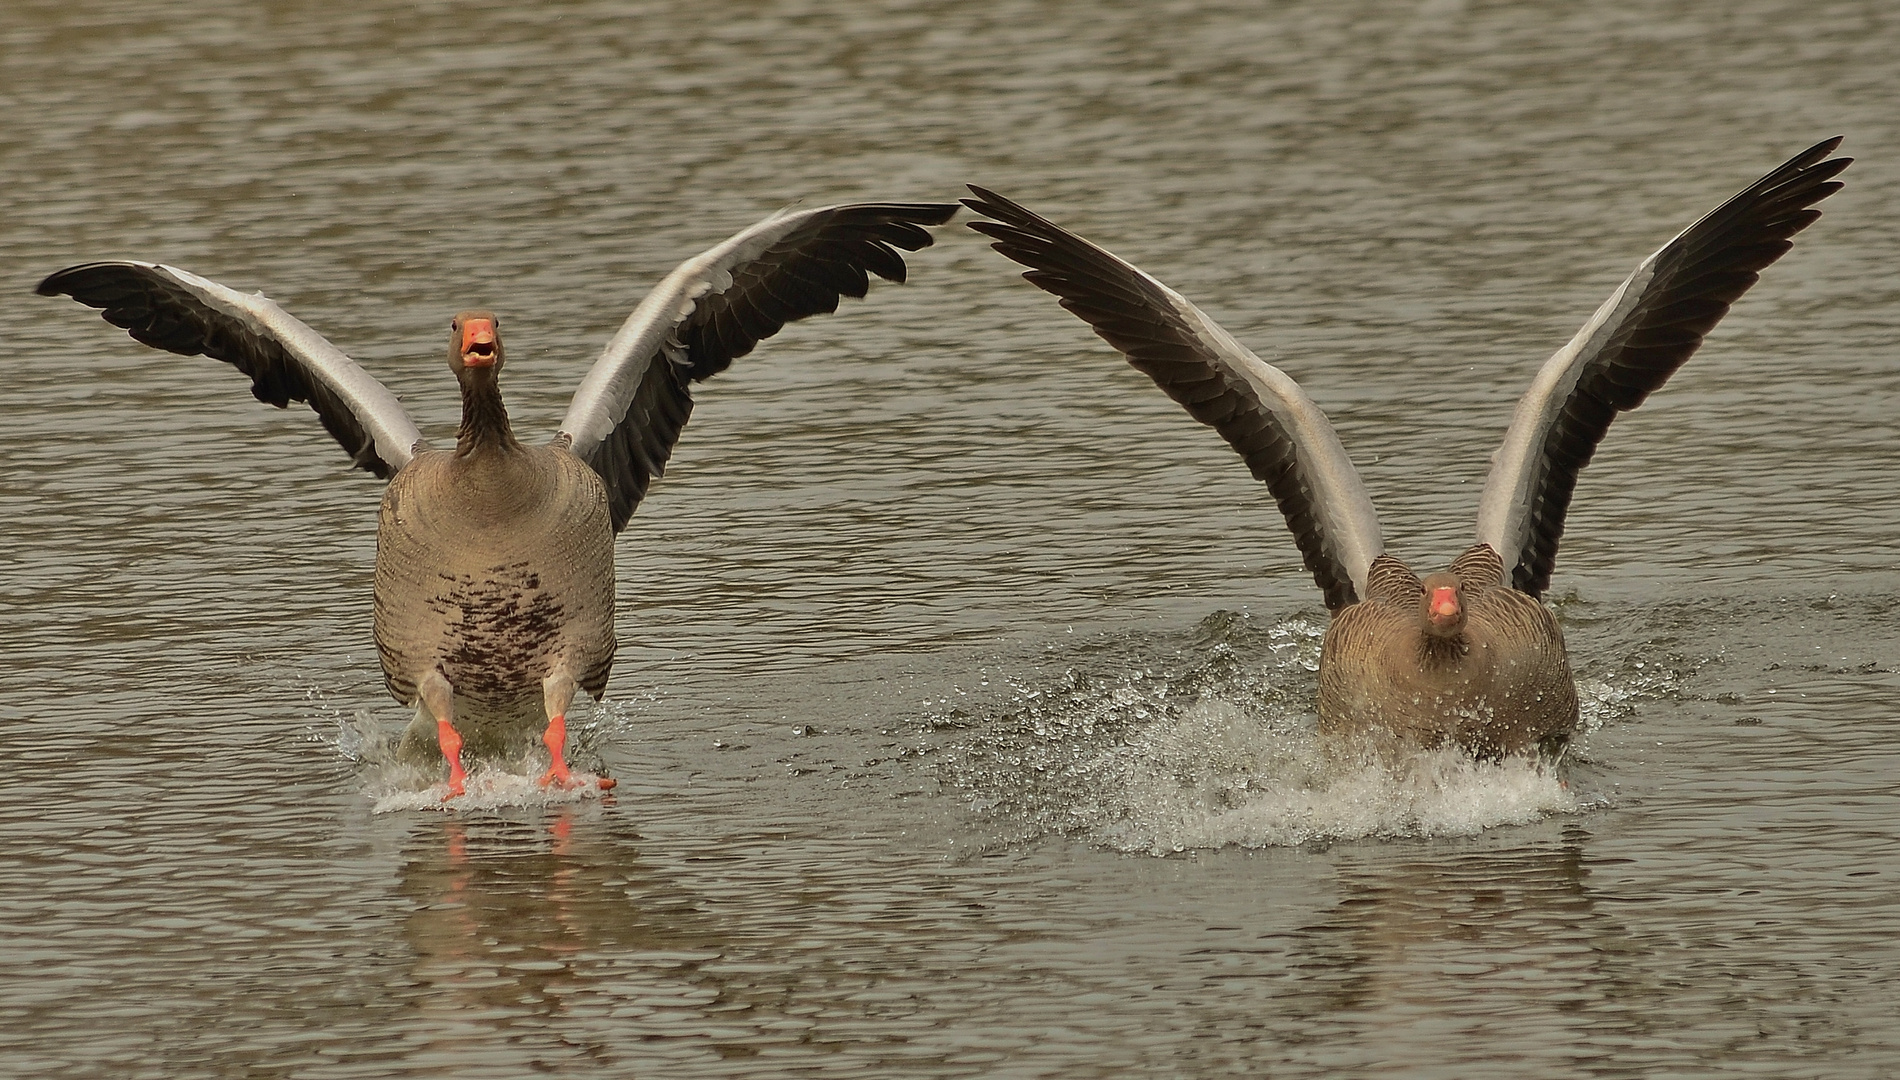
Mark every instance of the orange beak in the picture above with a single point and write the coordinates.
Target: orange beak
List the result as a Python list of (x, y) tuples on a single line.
[(478, 343), (1444, 603)]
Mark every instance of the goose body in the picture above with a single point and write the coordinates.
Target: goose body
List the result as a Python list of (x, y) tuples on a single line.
[(498, 571), (494, 597), (1500, 684), (1469, 654)]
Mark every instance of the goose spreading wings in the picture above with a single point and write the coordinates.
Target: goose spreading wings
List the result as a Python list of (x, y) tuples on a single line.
[(1467, 654), (494, 564)]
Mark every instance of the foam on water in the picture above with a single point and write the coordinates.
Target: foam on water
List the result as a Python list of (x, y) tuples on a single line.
[(489, 789), (1438, 793), (1214, 744), (394, 785)]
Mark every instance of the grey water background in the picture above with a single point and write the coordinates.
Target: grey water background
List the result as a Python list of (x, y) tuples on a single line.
[(945, 630)]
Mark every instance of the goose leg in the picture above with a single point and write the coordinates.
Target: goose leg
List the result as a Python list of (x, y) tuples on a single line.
[(557, 691), (439, 699)]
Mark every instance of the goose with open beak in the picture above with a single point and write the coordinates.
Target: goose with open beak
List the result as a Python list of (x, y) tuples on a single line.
[(494, 598)]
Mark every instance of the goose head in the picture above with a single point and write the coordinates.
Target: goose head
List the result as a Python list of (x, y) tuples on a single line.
[(475, 343), (1442, 606)]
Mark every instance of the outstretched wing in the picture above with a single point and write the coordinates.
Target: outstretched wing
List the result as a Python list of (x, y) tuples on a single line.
[(1263, 414), (1647, 329), (167, 308), (715, 307)]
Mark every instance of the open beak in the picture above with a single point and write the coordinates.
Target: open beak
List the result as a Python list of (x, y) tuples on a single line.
[(478, 343), (1444, 604)]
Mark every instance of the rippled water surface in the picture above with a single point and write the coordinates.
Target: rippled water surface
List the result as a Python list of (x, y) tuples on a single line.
[(963, 717)]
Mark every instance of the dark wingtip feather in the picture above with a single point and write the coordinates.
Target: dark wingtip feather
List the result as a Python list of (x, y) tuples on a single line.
[(72, 279), (905, 224), (1006, 210), (926, 213)]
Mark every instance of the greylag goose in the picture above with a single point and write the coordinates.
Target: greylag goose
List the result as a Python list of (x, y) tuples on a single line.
[(494, 597), (1469, 654)]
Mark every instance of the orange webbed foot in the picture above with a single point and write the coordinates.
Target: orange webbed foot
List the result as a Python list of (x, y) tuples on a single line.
[(555, 738), (451, 742)]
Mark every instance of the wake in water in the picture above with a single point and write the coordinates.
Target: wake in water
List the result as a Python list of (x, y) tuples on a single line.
[(1212, 743)]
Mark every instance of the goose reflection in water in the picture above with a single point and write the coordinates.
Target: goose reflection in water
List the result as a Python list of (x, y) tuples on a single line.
[(546, 941), (1421, 931)]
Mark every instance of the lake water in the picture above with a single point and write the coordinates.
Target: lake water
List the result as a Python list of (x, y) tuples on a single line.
[(963, 710)]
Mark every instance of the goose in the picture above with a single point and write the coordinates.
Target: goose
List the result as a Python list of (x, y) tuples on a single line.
[(1469, 654), (494, 584)]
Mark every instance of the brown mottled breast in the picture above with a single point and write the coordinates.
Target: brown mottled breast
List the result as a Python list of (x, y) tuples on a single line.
[(498, 569)]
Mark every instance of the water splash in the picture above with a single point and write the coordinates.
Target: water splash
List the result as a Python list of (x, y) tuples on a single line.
[(393, 784), (1615, 691), (1438, 793), (486, 789), (1638, 657), (1212, 743)]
